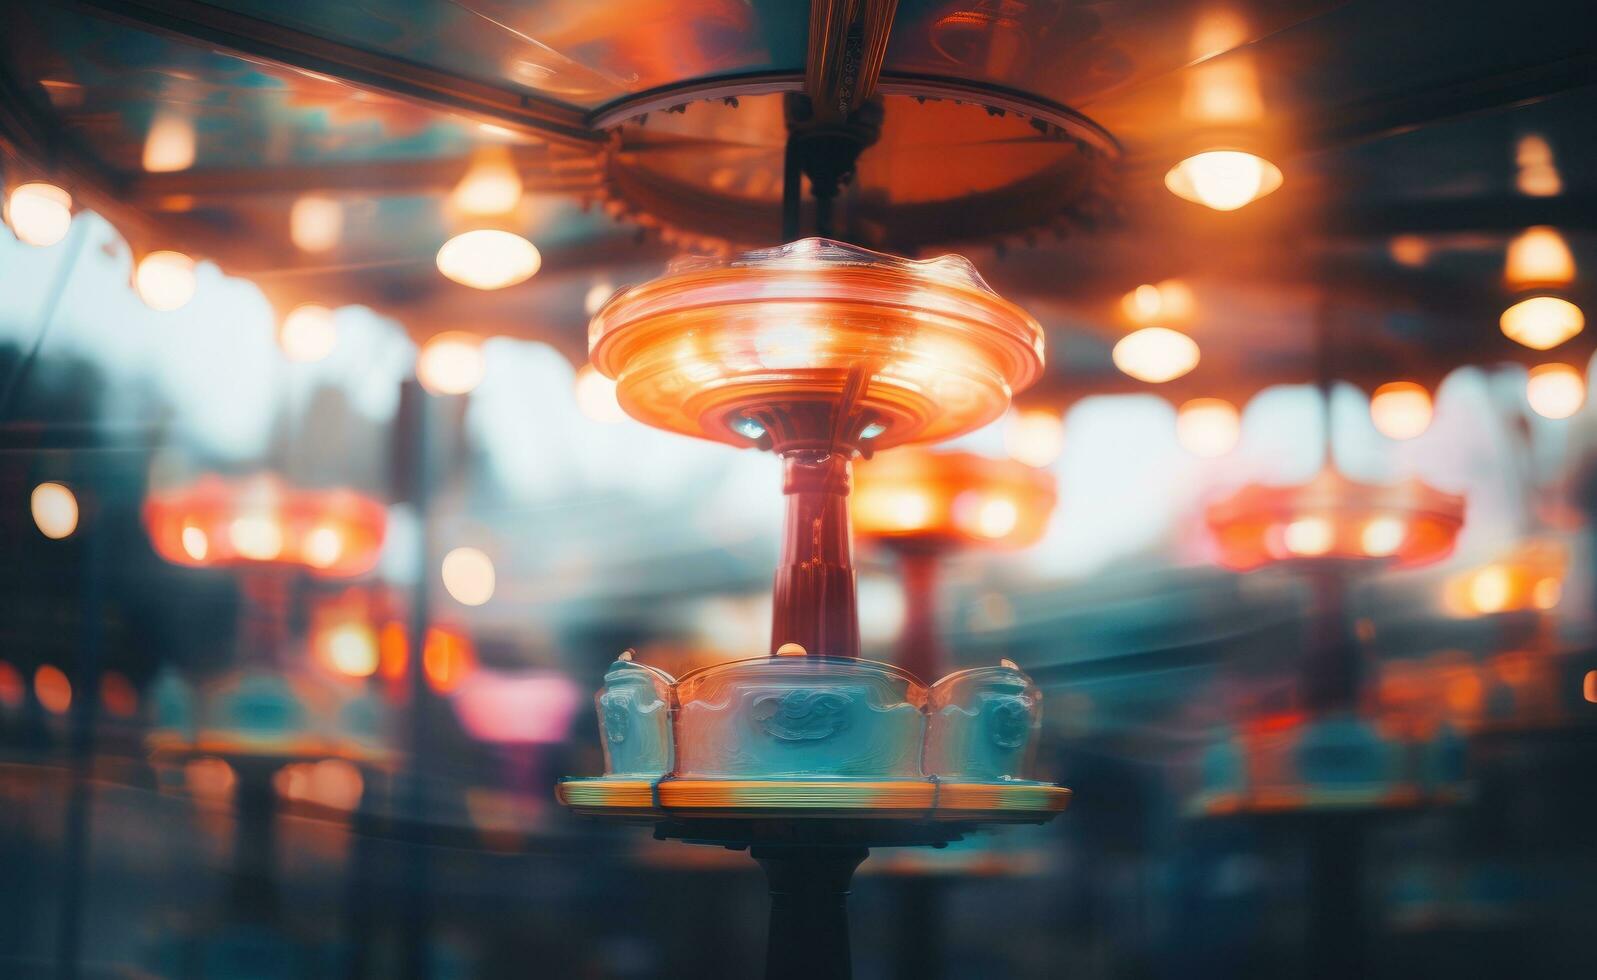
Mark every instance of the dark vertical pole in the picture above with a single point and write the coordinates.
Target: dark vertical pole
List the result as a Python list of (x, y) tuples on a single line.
[(792, 192), (814, 600), (919, 649), (85, 709), (808, 933), (413, 453), (919, 947)]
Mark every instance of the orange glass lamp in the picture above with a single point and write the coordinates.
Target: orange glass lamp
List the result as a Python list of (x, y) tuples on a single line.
[(820, 352), (922, 505)]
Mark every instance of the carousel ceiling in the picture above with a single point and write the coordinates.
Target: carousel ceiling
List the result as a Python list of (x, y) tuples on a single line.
[(324, 151)]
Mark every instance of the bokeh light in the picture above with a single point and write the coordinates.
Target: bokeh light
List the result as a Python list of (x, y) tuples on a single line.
[(308, 333), (1309, 536), (1208, 427), (1034, 436), (165, 280), (468, 576), (451, 363), (1156, 354), (488, 258), (316, 223), (1542, 322), (55, 510), (1401, 409), (1223, 179), (39, 213), (1555, 391), (53, 689)]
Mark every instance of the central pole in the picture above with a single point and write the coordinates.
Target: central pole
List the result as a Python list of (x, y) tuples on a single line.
[(814, 604), (808, 933)]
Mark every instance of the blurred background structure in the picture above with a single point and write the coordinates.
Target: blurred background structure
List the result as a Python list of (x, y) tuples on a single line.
[(319, 531)]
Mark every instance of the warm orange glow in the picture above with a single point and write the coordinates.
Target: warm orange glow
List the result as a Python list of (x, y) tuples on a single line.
[(1542, 322), (1223, 90), (1539, 257), (1590, 687), (169, 146), (488, 258), (986, 515), (1309, 536), (165, 281), (350, 649), (701, 349), (1555, 391), (595, 297), (1156, 354), (1035, 436), (392, 650), (1546, 593), (950, 499), (221, 522), (447, 659), (1410, 250), (468, 576), (1223, 179), (316, 223), (1538, 172), (257, 537), (12, 687), (491, 187), (1490, 589), (39, 214), (1208, 427), (1171, 301), (118, 695), (1407, 523), (55, 510), (209, 778), (1382, 536), (1401, 409), (451, 363), (52, 689), (308, 333), (596, 396)]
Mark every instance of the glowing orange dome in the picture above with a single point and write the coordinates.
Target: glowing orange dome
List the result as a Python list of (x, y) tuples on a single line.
[(262, 521), (816, 343), (932, 500), (1334, 518)]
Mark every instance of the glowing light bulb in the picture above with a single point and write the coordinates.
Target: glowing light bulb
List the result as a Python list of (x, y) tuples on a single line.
[(1490, 589), (1208, 427), (195, 542), (1538, 173), (165, 281), (1542, 322), (1383, 536), (257, 537), (316, 223), (488, 258), (308, 333), (1223, 179), (39, 214), (1309, 536), (323, 547), (451, 363), (596, 396), (55, 510), (491, 186), (1156, 354), (468, 576), (1539, 257), (1555, 391), (1035, 436), (1401, 409), (1546, 593), (352, 650), (169, 146)]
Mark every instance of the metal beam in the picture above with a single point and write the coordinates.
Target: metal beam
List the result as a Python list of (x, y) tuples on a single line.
[(239, 34)]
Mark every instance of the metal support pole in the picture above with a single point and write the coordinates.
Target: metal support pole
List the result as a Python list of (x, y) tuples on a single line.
[(808, 934)]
